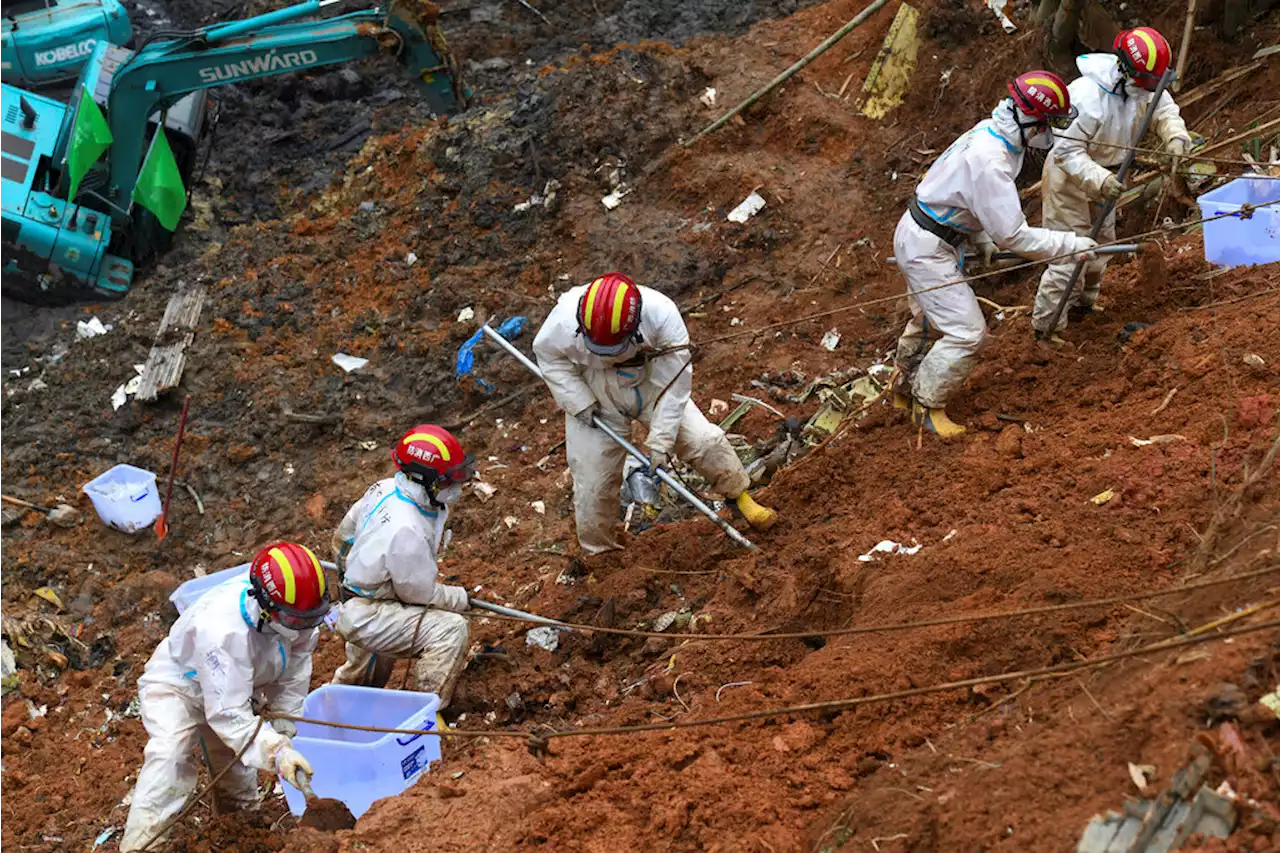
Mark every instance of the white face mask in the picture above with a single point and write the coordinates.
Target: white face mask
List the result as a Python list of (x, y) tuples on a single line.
[(449, 494), (289, 634)]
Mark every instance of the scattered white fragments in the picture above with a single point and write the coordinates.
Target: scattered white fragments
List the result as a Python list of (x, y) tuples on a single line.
[(750, 206), (888, 546), (91, 328), (348, 363)]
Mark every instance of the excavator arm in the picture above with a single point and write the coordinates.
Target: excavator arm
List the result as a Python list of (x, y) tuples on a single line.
[(161, 73)]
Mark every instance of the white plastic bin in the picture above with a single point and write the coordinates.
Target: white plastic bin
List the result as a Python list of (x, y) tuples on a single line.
[(187, 594), (361, 767), (125, 498), (1236, 242)]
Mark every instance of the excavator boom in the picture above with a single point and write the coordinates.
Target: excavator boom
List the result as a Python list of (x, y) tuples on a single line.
[(47, 234)]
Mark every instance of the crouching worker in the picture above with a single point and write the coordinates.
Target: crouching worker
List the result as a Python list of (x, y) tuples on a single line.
[(242, 641), (616, 350), (393, 607)]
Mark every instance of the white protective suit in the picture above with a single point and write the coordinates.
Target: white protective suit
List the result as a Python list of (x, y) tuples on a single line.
[(396, 609), (196, 692), (969, 188), (626, 388), (1111, 114)]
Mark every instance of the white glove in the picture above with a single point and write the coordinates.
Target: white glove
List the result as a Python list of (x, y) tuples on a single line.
[(1084, 249), (657, 459), (448, 597), (1112, 189), (288, 762), (1177, 146), (585, 416), (285, 727), (985, 246)]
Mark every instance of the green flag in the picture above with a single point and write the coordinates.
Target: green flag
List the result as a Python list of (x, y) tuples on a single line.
[(159, 188), (89, 138)]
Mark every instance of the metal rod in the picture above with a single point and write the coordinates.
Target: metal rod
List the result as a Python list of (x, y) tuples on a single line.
[(786, 75), (1107, 209), (481, 604), (1118, 249), (660, 473)]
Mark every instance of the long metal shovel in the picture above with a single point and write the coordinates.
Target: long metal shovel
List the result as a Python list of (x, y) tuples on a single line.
[(661, 473), (1125, 165), (481, 604)]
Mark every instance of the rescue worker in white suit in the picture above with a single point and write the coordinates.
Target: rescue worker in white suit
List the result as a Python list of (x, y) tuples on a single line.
[(618, 350), (1112, 97), (387, 544), (969, 194), (241, 642)]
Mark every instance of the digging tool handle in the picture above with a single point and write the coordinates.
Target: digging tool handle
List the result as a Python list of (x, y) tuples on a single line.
[(661, 473), (304, 785), (481, 604), (1118, 249), (163, 526), (1166, 80), (22, 503)]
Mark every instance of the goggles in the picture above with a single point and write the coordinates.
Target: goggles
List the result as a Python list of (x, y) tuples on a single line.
[(301, 620)]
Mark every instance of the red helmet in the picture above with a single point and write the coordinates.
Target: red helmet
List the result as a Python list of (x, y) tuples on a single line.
[(430, 455), (609, 314), (288, 583), (1144, 56), (1043, 95)]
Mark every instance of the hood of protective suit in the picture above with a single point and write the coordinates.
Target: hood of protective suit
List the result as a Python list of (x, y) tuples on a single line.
[(1004, 122), (1101, 68)]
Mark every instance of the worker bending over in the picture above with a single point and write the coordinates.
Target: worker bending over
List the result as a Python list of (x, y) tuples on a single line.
[(242, 641), (968, 195), (619, 351), (1112, 98), (387, 544)]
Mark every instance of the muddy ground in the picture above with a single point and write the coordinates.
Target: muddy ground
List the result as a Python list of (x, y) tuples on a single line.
[(304, 246)]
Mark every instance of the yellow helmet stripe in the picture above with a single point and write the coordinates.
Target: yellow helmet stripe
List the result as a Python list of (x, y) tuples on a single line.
[(1151, 48), (433, 440), (592, 289), (316, 565), (619, 300), (286, 570), (1045, 81)]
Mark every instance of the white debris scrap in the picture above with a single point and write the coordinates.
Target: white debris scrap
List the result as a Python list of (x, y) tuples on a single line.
[(1156, 439), (998, 7), (888, 546), (411, 258), (484, 490), (831, 340), (546, 638), (708, 97), (750, 206), (615, 198), (348, 363), (91, 328), (466, 315), (539, 507)]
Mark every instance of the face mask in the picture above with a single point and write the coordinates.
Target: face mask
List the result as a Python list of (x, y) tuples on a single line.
[(287, 633), (449, 494), (1035, 133)]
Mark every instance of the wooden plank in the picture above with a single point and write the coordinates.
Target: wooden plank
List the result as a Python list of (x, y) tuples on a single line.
[(168, 356)]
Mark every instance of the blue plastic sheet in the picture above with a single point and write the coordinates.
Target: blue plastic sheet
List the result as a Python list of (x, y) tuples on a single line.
[(466, 361)]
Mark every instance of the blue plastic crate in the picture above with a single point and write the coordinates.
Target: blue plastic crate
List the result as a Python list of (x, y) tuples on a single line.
[(361, 767), (1236, 242)]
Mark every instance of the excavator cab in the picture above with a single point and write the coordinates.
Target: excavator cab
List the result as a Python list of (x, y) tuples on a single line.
[(46, 41)]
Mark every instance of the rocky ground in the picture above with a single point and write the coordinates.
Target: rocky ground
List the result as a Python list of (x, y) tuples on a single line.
[(304, 238)]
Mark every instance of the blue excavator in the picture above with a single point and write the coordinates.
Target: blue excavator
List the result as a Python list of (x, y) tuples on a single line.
[(45, 42), (77, 224)]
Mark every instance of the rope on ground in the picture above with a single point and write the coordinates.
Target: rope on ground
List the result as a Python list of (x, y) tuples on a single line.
[(834, 704), (1245, 212), (894, 626), (1160, 152), (195, 798)]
